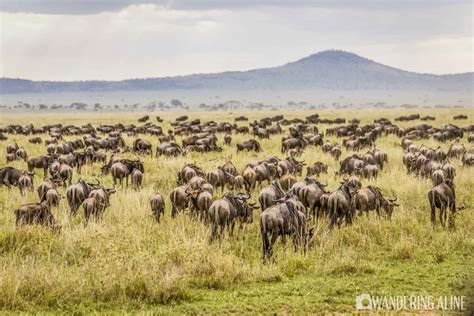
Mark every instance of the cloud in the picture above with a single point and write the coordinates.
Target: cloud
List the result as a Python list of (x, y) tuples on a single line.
[(72, 7), (150, 40)]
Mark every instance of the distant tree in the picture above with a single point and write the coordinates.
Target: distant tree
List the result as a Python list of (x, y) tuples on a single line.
[(176, 102)]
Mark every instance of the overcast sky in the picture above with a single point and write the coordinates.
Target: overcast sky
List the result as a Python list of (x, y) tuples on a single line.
[(108, 39)]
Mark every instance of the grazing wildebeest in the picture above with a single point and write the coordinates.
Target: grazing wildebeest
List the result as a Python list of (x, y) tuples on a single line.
[(316, 169), (201, 200), (443, 196), (35, 213), (370, 198), (250, 145), (281, 220), (142, 146), (226, 211), (157, 203)]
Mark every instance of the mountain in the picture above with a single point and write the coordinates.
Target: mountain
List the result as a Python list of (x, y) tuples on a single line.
[(329, 70)]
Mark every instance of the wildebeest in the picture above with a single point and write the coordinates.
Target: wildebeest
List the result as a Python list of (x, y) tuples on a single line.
[(179, 199), (250, 145), (10, 176), (157, 204), (123, 168), (316, 169), (443, 196), (137, 178), (281, 220), (78, 192), (141, 146), (227, 139), (53, 197), (438, 176), (92, 207), (35, 213), (371, 198), (339, 205), (310, 195), (270, 194), (226, 211), (41, 162), (45, 186)]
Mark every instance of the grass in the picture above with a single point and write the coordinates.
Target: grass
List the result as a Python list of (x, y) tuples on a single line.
[(128, 262)]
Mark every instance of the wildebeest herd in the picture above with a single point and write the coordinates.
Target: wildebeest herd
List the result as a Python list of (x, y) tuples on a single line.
[(291, 196)]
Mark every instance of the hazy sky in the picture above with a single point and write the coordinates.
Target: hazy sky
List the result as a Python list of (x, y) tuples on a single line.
[(108, 39)]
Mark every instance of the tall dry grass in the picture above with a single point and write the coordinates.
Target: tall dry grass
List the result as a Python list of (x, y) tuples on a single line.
[(128, 261)]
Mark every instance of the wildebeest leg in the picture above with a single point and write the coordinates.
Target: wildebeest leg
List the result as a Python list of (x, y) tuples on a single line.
[(433, 208), (272, 242), (442, 215), (452, 216), (231, 229), (173, 210)]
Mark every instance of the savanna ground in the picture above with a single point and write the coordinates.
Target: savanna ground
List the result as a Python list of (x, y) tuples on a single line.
[(128, 262)]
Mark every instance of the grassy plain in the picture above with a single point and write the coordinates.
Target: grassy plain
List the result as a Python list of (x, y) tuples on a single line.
[(128, 262)]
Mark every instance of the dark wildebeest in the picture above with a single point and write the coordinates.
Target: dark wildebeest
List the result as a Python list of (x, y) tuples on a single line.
[(35, 213), (45, 186), (438, 176), (370, 198), (137, 178), (21, 154), (103, 195), (124, 168), (78, 192), (270, 194), (218, 178), (443, 196), (201, 200), (281, 220), (157, 203), (250, 145), (142, 146), (10, 176), (370, 171), (179, 199), (230, 168), (310, 195), (53, 197), (41, 162), (226, 211), (316, 169), (340, 206), (92, 207), (250, 177), (287, 181), (227, 139)]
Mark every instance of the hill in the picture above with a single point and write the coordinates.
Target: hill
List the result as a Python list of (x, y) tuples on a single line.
[(331, 70)]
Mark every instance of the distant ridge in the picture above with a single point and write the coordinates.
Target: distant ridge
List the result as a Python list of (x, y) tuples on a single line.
[(332, 70)]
